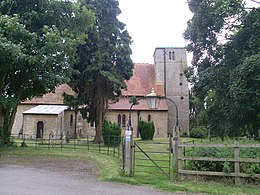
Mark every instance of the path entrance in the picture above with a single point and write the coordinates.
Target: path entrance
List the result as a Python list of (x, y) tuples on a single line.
[(152, 159)]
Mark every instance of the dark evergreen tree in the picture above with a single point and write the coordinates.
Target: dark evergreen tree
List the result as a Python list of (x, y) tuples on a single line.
[(104, 63)]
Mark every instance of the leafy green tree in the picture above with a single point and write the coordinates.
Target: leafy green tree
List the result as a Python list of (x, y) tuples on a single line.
[(38, 46), (104, 63), (244, 86), (222, 68)]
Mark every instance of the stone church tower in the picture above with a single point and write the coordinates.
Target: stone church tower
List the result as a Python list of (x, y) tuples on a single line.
[(170, 63)]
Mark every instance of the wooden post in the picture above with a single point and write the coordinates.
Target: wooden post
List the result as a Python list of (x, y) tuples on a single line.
[(175, 155), (237, 164), (128, 151), (179, 160)]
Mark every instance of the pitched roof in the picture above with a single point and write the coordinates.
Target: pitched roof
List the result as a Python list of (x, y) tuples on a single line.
[(52, 98), (140, 84), (142, 81), (46, 109), (123, 104)]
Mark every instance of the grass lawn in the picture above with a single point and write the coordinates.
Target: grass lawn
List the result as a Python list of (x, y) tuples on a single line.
[(110, 169)]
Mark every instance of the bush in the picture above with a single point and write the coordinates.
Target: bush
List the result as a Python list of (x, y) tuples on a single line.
[(198, 132), (228, 167), (250, 168), (213, 165), (146, 130), (111, 133)]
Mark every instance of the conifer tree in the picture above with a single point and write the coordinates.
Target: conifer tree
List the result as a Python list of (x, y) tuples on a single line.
[(104, 63)]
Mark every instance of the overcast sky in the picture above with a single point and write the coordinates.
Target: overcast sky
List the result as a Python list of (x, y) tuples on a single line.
[(155, 23)]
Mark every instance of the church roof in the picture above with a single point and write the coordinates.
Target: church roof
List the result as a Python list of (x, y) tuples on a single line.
[(52, 98), (142, 81), (139, 85), (123, 104), (47, 109)]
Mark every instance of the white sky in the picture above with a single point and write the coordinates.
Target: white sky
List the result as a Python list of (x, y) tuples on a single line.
[(155, 23)]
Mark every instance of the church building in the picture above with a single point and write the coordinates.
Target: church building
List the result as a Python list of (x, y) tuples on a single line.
[(47, 115)]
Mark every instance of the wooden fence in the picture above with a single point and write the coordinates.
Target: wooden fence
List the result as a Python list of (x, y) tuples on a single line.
[(180, 158)]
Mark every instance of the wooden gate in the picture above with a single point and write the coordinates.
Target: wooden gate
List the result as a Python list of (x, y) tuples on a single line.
[(152, 159)]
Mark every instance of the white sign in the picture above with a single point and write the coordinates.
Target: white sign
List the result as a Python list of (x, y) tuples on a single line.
[(127, 139), (128, 132)]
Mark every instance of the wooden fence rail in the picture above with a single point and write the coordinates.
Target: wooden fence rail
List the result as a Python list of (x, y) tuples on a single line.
[(236, 160)]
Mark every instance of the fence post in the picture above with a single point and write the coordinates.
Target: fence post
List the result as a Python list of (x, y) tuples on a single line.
[(237, 164), (175, 155), (128, 151), (179, 161)]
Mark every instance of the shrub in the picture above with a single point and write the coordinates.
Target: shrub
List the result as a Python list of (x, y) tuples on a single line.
[(213, 165), (250, 168), (146, 130), (198, 132), (111, 133)]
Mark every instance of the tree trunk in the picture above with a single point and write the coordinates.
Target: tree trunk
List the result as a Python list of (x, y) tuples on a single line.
[(2, 77), (100, 107), (11, 122), (6, 118)]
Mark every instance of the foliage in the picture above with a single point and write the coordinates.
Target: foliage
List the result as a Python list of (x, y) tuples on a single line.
[(111, 133), (104, 63), (146, 130), (198, 132), (38, 41), (249, 168), (224, 39), (5, 135), (211, 165)]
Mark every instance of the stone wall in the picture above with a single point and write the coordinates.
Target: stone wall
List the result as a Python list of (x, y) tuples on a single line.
[(170, 64), (18, 122), (159, 118), (52, 123)]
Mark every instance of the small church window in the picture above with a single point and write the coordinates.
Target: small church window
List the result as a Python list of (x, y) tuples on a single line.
[(119, 119), (181, 83), (182, 97), (123, 120), (71, 120), (149, 118), (92, 124), (173, 55)]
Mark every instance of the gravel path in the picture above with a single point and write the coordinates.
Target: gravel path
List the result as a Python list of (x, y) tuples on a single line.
[(41, 176)]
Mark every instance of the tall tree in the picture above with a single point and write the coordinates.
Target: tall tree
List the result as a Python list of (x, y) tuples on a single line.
[(39, 40), (104, 63), (221, 39)]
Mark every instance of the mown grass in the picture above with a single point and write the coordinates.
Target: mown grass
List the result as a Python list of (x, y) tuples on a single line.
[(110, 169)]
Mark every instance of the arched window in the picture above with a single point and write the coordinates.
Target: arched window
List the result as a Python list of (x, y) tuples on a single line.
[(119, 119), (92, 124), (123, 120), (71, 120), (149, 118), (173, 55)]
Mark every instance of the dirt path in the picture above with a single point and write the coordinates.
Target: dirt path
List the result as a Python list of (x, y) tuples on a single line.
[(54, 176)]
